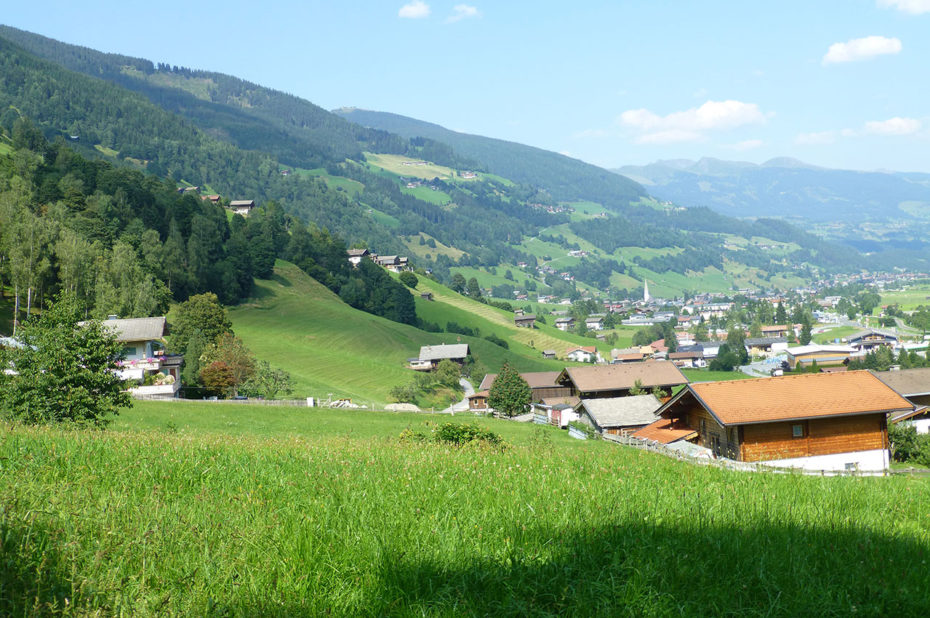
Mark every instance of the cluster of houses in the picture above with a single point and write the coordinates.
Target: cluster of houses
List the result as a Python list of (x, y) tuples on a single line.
[(813, 421), (394, 263)]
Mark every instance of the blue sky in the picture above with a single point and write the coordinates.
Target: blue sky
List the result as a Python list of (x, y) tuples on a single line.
[(838, 83)]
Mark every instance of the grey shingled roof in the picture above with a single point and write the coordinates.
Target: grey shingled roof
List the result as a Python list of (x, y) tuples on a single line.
[(622, 411), (137, 329), (439, 352), (907, 382)]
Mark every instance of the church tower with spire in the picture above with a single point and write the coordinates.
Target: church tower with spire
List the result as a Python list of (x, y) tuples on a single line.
[(646, 297)]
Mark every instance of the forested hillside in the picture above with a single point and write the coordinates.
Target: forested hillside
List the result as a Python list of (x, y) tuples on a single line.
[(484, 203), (128, 243)]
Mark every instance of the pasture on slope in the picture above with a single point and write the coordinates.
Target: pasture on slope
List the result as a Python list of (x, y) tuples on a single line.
[(299, 325), (329, 512), (448, 305)]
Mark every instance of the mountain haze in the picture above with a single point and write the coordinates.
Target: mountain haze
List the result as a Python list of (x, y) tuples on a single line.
[(784, 187)]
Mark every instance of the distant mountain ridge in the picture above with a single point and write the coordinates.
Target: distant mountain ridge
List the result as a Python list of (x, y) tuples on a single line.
[(563, 177), (784, 187)]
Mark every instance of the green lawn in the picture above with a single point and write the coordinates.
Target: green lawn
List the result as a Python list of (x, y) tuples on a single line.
[(223, 510), (839, 332)]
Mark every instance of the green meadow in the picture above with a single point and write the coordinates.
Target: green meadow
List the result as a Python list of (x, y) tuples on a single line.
[(331, 349), (907, 299), (237, 510)]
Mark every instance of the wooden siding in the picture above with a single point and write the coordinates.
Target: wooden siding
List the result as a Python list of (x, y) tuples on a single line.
[(824, 436), (551, 392)]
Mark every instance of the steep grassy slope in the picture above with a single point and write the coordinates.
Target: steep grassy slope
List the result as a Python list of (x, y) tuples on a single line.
[(447, 306), (297, 324), (328, 513)]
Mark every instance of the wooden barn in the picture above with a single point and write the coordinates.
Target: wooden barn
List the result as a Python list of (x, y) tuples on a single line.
[(827, 421), (542, 383), (617, 380)]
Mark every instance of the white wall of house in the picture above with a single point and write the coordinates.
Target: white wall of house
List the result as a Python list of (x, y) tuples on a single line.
[(866, 461), (922, 425)]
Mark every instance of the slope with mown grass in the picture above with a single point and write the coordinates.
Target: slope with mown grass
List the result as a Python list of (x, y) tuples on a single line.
[(449, 306), (296, 323), (184, 509)]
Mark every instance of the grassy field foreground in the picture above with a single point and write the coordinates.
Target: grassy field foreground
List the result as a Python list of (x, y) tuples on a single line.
[(327, 512)]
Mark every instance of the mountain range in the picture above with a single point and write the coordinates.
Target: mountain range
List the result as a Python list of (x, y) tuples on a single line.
[(400, 185), (787, 188)]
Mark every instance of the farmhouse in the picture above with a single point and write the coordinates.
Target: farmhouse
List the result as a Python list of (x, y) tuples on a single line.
[(431, 355), (143, 347), (806, 355), (688, 358), (605, 381), (565, 324), (356, 256), (619, 415), (242, 207), (584, 354), (525, 321), (834, 421), (766, 346), (913, 385), (594, 323), (541, 383), (775, 330)]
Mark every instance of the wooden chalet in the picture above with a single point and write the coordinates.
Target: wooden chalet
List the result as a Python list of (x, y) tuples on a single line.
[(604, 381), (525, 320), (834, 421), (478, 402), (869, 340), (431, 355), (541, 383), (776, 330), (242, 207)]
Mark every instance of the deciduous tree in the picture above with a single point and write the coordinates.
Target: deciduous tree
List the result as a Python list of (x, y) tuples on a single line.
[(63, 370)]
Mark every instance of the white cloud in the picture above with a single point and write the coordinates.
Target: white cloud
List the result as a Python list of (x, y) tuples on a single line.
[(748, 144), (861, 49), (691, 124), (815, 139), (894, 126), (414, 10), (914, 7), (462, 11)]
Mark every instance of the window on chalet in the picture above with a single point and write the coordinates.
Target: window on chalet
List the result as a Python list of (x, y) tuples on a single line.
[(797, 431)]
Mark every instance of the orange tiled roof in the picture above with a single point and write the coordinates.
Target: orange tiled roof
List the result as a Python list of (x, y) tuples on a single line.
[(811, 395), (664, 431)]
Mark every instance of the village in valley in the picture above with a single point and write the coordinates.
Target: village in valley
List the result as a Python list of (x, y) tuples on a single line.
[(611, 324)]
